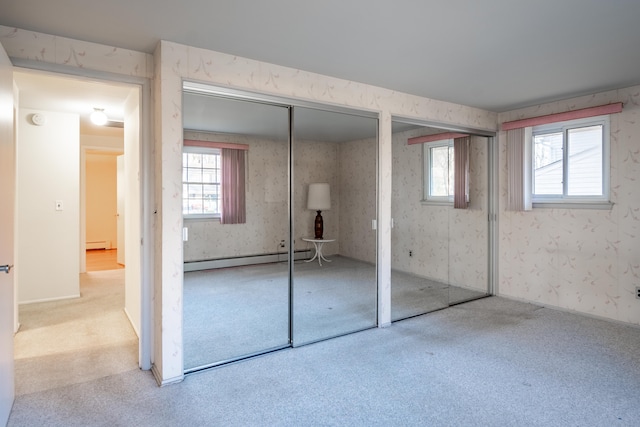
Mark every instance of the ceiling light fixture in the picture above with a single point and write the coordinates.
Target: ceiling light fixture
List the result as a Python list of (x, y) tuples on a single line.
[(98, 117)]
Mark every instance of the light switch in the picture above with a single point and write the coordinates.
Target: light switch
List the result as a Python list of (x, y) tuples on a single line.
[(185, 234), (59, 205)]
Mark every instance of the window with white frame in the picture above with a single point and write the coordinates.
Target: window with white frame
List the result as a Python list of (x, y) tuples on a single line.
[(201, 191), (570, 161), (438, 171)]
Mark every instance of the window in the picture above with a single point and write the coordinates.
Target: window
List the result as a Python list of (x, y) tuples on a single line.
[(201, 172), (570, 161), (439, 171)]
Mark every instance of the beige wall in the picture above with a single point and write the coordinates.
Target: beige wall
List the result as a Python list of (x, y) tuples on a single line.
[(101, 198), (584, 260), (358, 171), (48, 240)]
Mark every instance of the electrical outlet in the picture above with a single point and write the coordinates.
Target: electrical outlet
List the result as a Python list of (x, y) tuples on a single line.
[(638, 292), (410, 253)]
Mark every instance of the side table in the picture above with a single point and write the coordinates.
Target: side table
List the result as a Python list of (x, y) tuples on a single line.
[(318, 243)]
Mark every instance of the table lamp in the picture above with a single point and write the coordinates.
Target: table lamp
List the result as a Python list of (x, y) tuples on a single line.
[(319, 199)]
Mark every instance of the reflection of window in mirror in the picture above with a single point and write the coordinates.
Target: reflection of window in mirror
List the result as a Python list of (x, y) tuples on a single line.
[(438, 171), (201, 172)]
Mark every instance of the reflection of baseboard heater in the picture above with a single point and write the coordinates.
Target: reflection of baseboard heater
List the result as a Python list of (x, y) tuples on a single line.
[(243, 260), (102, 244)]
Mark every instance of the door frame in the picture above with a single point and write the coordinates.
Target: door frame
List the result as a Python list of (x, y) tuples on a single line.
[(8, 300), (145, 147)]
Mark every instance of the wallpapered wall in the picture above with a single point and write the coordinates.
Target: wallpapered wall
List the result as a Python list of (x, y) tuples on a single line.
[(350, 170), (579, 259), (448, 245), (358, 195)]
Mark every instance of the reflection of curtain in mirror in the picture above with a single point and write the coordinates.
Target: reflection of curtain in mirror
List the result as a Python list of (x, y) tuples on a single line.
[(461, 172), (233, 187)]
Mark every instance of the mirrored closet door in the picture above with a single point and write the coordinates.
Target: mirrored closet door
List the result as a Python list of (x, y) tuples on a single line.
[(236, 216), (440, 238), (334, 181)]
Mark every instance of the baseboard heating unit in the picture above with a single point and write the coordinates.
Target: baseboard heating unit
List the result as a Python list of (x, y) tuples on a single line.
[(244, 260), (102, 244)]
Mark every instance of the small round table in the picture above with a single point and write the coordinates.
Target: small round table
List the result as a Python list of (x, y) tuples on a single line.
[(317, 243)]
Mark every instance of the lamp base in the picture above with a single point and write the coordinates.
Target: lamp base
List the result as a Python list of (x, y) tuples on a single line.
[(318, 227)]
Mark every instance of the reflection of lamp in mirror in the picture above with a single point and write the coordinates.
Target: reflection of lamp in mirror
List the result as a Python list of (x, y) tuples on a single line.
[(319, 199)]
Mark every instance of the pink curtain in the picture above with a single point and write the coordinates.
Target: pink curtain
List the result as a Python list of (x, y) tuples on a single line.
[(233, 187), (518, 188), (461, 172)]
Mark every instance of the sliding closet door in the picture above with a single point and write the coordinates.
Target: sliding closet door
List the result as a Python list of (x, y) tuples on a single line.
[(440, 249), (334, 176), (420, 234), (236, 281), (469, 228)]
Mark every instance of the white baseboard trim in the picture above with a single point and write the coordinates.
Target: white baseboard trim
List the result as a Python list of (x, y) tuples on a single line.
[(35, 301), (133, 325), (161, 382), (243, 260)]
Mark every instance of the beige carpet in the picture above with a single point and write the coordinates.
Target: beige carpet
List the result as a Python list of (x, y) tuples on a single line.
[(77, 340)]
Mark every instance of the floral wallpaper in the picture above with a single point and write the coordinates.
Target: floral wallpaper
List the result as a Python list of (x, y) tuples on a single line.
[(358, 195), (582, 260), (447, 245)]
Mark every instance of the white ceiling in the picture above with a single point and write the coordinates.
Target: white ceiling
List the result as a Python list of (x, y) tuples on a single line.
[(51, 92), (493, 54)]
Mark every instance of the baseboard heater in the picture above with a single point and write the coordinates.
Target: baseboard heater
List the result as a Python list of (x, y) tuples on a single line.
[(102, 244), (243, 260)]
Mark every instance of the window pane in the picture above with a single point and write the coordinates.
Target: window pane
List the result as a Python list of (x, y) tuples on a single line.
[(201, 183), (194, 160), (210, 175), (584, 166), (441, 171), (547, 178), (210, 161), (194, 175), (210, 206)]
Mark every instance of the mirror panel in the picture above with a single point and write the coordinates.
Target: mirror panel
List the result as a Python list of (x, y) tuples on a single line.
[(338, 295), (439, 253), (236, 280)]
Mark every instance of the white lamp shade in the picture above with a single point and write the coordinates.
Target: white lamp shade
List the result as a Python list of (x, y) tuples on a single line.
[(319, 198)]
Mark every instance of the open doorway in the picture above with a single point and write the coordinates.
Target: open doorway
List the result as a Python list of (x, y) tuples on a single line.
[(75, 324), (104, 209)]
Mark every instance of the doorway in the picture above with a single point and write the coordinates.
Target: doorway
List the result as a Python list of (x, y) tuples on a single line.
[(74, 298)]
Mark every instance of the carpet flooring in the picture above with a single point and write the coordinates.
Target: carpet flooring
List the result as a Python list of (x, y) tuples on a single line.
[(489, 362), (233, 312), (75, 340)]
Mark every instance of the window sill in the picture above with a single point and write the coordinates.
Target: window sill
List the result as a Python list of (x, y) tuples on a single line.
[(436, 203), (574, 205), (200, 218)]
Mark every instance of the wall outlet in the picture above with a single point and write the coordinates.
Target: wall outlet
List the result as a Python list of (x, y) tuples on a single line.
[(638, 292), (410, 253)]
